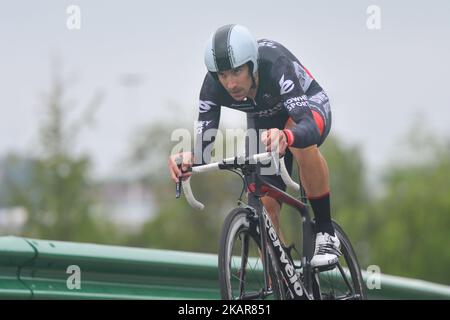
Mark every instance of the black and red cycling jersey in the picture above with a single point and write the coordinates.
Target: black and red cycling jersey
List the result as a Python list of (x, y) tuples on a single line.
[(286, 89)]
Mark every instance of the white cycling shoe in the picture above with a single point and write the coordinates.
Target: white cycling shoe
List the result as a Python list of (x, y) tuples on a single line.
[(327, 250)]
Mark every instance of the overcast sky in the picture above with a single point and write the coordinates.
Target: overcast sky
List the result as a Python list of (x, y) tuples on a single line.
[(379, 81)]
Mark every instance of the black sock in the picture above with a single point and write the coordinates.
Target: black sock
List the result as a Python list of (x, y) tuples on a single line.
[(321, 208)]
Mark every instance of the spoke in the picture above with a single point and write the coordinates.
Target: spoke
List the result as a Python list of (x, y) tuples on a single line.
[(244, 259), (241, 263), (349, 286), (316, 284)]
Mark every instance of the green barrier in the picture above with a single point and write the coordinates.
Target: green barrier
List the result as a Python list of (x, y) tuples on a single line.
[(107, 272), (14, 253), (392, 287), (41, 269)]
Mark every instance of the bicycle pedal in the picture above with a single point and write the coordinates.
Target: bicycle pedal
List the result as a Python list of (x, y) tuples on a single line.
[(325, 268)]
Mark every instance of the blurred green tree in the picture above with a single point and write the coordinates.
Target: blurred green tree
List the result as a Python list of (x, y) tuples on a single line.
[(56, 191), (410, 221)]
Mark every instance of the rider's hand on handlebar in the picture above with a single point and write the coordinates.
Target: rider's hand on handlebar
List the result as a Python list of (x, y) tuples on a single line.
[(180, 162), (275, 139)]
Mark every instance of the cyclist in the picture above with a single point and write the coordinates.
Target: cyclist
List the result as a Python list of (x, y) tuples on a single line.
[(265, 80)]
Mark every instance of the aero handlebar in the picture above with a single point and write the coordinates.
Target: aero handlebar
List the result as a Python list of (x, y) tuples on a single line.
[(260, 157)]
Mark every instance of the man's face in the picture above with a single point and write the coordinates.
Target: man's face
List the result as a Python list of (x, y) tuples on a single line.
[(237, 82)]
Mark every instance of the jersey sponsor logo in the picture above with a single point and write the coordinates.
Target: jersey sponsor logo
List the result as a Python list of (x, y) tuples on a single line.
[(269, 100), (296, 102), (319, 98), (205, 106), (270, 112), (303, 76), (243, 106), (286, 85), (267, 43), (201, 126)]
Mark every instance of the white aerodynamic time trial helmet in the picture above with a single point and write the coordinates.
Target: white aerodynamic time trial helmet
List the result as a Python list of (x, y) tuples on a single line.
[(230, 47)]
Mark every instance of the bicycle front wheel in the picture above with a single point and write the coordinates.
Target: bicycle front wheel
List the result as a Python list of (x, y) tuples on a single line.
[(241, 272)]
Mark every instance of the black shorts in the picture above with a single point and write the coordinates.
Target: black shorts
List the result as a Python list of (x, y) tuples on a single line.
[(320, 108)]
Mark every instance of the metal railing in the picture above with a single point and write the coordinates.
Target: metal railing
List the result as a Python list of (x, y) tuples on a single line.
[(45, 269)]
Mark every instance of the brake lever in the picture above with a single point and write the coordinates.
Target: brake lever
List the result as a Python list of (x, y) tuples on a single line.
[(178, 185), (275, 162), (178, 188)]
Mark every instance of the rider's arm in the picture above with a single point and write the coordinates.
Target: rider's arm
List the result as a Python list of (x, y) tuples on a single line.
[(208, 122), (305, 132)]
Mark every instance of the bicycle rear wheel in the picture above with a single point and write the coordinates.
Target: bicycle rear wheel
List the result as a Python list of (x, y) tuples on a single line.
[(241, 273), (344, 280)]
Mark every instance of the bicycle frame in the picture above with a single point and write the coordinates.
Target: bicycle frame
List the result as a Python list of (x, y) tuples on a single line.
[(257, 189), (302, 285)]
